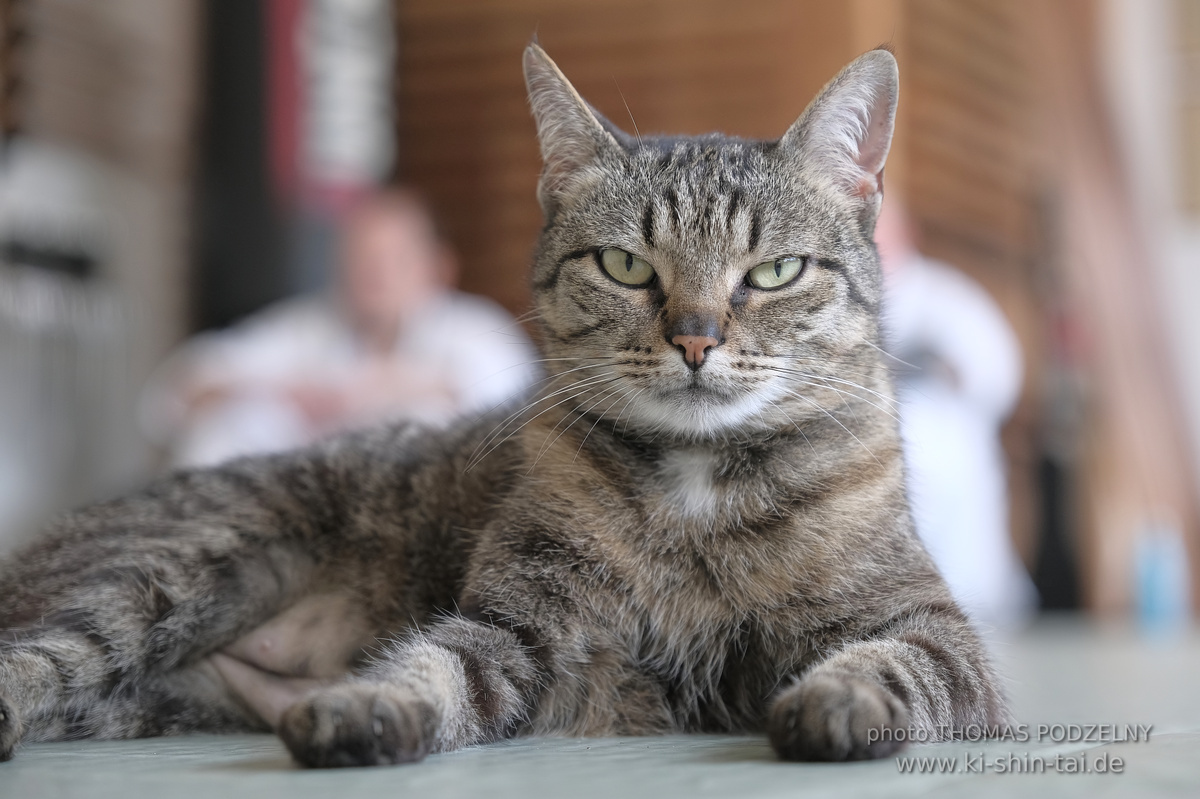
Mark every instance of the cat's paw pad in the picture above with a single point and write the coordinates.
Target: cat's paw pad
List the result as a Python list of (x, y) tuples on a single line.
[(835, 717), (358, 725), (11, 729)]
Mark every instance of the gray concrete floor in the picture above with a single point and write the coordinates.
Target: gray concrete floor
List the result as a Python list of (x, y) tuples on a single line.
[(1060, 672)]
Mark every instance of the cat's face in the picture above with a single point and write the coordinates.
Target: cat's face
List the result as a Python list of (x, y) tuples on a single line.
[(711, 286)]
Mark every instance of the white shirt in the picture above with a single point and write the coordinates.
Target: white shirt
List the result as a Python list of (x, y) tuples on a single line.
[(467, 343), (952, 406)]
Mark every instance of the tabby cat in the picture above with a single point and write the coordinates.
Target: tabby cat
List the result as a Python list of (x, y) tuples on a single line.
[(698, 523)]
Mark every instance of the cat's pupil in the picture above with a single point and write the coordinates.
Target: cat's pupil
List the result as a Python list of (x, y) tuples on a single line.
[(628, 262), (778, 268)]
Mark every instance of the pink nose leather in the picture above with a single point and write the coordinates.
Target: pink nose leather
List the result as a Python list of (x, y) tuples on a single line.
[(694, 347)]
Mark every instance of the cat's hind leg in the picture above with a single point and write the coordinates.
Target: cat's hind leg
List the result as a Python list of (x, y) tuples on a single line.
[(104, 616), (123, 595), (61, 674), (111, 657), (52, 688), (247, 685)]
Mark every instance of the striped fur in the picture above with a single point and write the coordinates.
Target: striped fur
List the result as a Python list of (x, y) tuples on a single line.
[(641, 548)]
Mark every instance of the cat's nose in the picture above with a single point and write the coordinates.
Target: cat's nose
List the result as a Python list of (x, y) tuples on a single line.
[(694, 348), (694, 334)]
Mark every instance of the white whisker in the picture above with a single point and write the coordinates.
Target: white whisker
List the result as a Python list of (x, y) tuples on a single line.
[(578, 416), (873, 345), (809, 380), (867, 449), (578, 387), (795, 424), (624, 408), (626, 394)]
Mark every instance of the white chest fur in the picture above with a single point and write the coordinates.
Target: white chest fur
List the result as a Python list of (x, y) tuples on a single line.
[(687, 479)]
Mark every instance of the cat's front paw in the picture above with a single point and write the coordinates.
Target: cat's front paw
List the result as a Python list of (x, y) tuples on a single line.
[(11, 728), (835, 716), (358, 725)]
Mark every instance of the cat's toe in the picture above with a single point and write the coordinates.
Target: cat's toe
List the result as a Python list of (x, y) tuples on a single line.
[(835, 717), (11, 729), (358, 725)]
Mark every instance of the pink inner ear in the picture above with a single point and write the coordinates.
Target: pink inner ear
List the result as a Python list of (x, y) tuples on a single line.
[(873, 147), (868, 186)]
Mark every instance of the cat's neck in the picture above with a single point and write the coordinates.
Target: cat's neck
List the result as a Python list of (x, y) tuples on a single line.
[(707, 480)]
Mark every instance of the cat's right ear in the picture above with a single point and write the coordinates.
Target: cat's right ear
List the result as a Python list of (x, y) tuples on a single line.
[(571, 136), (843, 137)]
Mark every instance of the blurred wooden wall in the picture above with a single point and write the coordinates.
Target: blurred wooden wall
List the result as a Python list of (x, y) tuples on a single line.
[(973, 161), (1138, 470)]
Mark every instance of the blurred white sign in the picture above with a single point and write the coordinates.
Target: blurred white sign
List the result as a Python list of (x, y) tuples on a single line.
[(348, 52)]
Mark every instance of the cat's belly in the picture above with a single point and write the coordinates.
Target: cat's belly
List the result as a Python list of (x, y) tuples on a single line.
[(312, 642)]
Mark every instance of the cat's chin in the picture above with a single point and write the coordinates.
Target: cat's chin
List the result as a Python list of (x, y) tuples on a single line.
[(697, 413)]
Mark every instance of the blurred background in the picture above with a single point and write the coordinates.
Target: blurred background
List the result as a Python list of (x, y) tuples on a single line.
[(169, 168)]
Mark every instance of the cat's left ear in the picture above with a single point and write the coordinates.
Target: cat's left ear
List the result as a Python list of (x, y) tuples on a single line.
[(572, 138), (844, 135)]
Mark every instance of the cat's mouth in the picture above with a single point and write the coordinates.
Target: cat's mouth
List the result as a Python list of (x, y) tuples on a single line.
[(698, 392), (711, 384), (697, 408), (696, 385)]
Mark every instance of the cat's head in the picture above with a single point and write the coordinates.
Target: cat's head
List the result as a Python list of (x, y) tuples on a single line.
[(711, 286)]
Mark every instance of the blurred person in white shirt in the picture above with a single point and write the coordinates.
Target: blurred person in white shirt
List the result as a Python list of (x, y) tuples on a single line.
[(392, 340), (959, 374)]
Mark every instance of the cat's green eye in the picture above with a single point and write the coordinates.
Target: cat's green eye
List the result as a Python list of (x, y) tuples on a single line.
[(625, 267), (773, 274)]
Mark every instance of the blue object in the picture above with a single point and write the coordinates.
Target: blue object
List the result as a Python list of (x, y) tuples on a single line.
[(1163, 583)]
